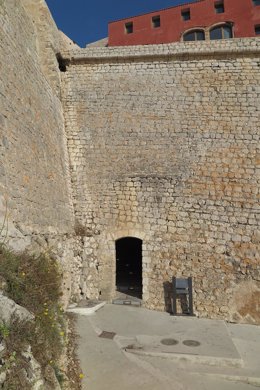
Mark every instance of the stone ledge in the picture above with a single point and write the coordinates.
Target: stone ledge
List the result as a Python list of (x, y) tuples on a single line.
[(85, 311), (241, 46)]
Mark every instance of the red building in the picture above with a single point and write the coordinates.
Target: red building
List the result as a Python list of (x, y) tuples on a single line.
[(200, 20)]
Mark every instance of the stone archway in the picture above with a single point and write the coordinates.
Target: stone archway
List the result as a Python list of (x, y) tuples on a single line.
[(129, 266)]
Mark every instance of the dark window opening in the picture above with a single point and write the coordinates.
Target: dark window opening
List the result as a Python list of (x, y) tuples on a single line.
[(156, 21), (221, 32), (257, 30), (256, 2), (129, 28), (62, 63), (219, 7), (129, 266), (185, 13), (197, 35)]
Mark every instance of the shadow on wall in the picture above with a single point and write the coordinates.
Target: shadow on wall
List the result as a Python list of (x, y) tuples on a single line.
[(182, 300), (168, 294)]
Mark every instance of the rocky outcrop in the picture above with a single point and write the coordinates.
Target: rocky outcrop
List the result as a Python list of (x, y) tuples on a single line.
[(9, 309), (32, 373)]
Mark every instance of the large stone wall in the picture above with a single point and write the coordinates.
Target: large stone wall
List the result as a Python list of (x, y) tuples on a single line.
[(36, 210), (164, 146)]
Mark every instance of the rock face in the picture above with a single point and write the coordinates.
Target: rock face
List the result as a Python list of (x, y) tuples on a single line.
[(32, 371), (9, 309), (159, 143)]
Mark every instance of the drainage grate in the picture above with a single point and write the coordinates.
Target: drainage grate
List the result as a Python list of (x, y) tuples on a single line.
[(191, 343), (107, 335), (169, 342)]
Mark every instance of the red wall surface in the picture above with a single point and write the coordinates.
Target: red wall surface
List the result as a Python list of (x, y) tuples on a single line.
[(243, 13)]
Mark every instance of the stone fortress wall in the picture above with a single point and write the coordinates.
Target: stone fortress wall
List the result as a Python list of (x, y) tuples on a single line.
[(164, 146), (159, 143), (35, 186)]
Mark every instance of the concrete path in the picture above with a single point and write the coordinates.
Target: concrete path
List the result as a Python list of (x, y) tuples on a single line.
[(146, 351)]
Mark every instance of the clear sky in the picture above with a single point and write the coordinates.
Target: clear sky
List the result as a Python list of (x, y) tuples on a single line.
[(86, 21)]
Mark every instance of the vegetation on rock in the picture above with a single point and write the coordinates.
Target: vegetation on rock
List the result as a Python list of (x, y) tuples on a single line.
[(34, 282)]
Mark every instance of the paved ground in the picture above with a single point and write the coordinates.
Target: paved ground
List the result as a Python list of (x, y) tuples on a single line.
[(226, 359)]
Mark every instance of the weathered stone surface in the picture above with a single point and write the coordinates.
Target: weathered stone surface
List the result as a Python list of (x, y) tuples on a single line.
[(9, 309), (33, 373), (34, 178), (2, 377), (50, 378), (246, 303), (35, 196), (163, 143)]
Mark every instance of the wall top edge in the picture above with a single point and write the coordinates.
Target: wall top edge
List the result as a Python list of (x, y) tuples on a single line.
[(239, 46)]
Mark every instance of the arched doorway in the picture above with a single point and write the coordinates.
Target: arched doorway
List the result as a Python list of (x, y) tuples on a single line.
[(129, 266)]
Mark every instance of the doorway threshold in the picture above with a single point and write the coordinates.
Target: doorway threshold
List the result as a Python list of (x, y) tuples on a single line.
[(125, 299)]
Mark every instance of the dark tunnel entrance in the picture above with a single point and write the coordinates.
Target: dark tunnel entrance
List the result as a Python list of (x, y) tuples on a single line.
[(129, 266)]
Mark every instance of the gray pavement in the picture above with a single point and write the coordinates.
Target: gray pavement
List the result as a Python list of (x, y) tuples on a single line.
[(226, 358)]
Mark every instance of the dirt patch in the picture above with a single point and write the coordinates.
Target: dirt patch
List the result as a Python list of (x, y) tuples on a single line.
[(251, 307), (245, 304)]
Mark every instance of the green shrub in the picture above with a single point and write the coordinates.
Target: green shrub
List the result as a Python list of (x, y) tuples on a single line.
[(31, 280), (59, 375), (34, 282), (4, 331)]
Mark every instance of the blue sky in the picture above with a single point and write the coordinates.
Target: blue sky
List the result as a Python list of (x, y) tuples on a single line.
[(86, 21)]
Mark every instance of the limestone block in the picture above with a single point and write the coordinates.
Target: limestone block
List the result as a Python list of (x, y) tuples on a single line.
[(8, 309)]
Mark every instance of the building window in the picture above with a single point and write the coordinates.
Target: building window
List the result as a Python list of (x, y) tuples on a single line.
[(221, 32), (129, 28), (185, 13), (196, 35), (256, 2), (156, 21), (219, 7), (257, 30)]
